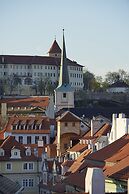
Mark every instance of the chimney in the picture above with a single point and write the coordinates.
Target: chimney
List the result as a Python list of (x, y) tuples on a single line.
[(121, 115), (3, 114), (4, 110), (92, 127), (94, 181)]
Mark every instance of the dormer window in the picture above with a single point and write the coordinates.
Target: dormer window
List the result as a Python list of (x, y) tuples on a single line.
[(66, 124), (73, 124), (37, 127), (15, 153), (64, 95), (28, 151), (14, 127), (1, 152)]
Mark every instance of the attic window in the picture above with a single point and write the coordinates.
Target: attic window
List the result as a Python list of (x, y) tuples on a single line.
[(14, 127), (66, 124), (15, 154), (64, 95), (73, 124), (1, 152)]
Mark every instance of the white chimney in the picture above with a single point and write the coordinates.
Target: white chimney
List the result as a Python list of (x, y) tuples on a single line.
[(95, 181), (92, 127), (121, 115)]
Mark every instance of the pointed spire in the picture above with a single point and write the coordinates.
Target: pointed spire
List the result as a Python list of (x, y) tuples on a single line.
[(64, 76)]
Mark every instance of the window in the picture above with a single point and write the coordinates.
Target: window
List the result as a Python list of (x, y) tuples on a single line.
[(20, 139), (66, 124), (36, 139), (28, 166), (15, 154), (44, 139), (28, 182), (73, 124), (8, 166), (25, 166), (64, 95), (28, 139), (1, 152), (25, 183), (31, 182)]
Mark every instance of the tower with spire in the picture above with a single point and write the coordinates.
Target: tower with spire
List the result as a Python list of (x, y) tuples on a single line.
[(64, 93)]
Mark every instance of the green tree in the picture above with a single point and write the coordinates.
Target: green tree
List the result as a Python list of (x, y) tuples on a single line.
[(112, 77), (88, 80)]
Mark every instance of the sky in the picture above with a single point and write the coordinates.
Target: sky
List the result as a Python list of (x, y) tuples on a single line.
[(96, 31)]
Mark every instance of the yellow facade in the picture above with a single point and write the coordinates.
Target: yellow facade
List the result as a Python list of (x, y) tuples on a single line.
[(18, 174)]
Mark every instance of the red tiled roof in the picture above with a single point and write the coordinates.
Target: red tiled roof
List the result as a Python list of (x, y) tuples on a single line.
[(103, 130), (41, 102), (55, 48), (113, 152), (77, 178), (78, 148), (120, 170), (45, 129), (68, 117), (43, 60), (67, 163), (8, 144)]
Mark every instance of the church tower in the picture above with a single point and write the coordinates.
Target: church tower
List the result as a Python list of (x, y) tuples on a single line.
[(64, 93), (55, 50)]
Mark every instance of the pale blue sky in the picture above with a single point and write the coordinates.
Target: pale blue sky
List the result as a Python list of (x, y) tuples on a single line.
[(96, 31)]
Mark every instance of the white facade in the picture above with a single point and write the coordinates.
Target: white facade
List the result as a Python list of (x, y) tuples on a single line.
[(33, 137), (64, 102), (95, 181), (120, 127), (37, 71)]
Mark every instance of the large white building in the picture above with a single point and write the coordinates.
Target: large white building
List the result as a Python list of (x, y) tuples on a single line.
[(32, 68)]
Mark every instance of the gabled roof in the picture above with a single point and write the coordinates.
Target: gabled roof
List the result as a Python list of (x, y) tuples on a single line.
[(120, 170), (113, 152), (68, 117), (119, 84), (55, 48), (78, 148)]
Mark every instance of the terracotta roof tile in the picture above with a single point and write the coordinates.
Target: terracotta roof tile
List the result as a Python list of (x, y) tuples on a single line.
[(120, 170), (42, 102), (43, 60), (68, 117), (55, 48), (45, 127), (10, 143), (78, 148), (113, 152)]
